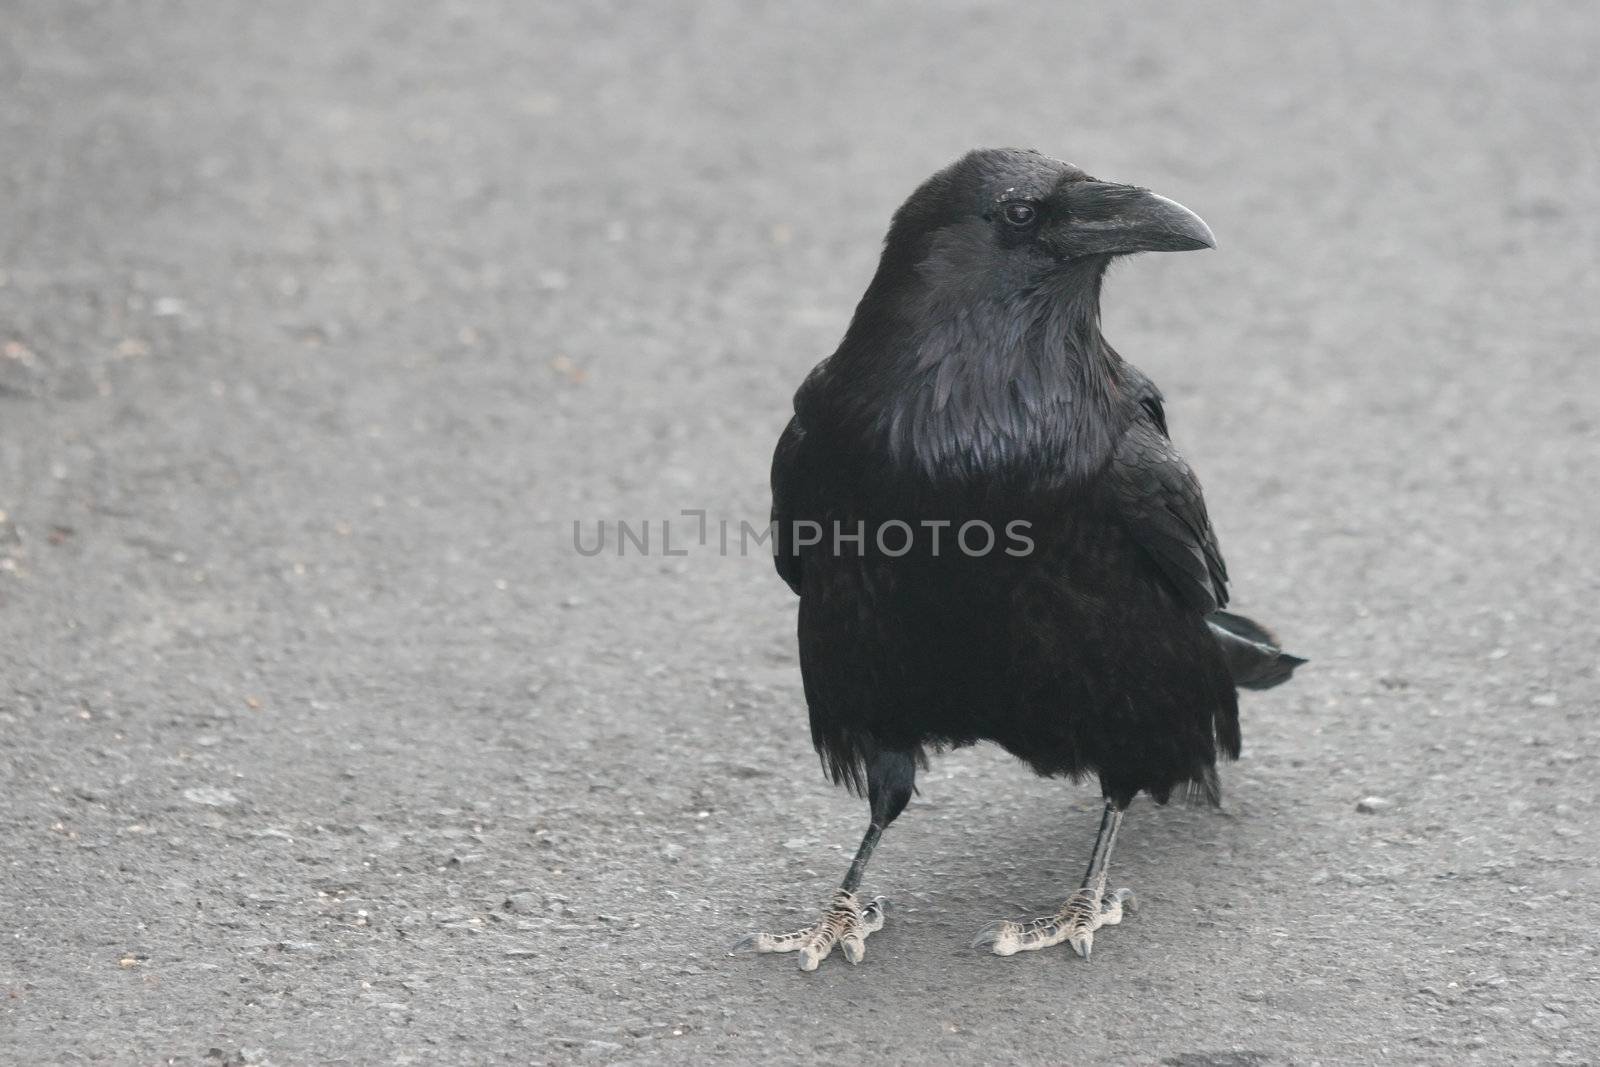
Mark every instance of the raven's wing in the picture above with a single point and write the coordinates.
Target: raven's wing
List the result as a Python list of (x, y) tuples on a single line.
[(1159, 500), (788, 478)]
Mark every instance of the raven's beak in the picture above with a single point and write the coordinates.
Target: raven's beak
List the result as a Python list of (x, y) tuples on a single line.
[(1107, 219)]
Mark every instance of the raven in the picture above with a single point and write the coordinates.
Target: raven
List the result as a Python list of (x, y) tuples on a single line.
[(992, 536)]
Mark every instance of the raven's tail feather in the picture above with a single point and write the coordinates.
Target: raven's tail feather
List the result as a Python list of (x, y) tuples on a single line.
[(1204, 791), (1254, 658)]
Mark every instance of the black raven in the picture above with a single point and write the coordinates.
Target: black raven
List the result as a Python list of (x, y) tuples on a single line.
[(992, 535)]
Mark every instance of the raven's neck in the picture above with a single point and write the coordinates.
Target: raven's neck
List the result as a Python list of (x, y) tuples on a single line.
[(1020, 389)]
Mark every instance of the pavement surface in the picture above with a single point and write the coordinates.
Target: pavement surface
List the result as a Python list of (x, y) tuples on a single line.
[(323, 323)]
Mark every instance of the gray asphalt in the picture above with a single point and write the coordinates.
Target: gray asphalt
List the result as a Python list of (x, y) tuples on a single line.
[(323, 323)]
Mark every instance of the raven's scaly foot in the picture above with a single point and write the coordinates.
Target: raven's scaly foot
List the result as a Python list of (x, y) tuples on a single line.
[(1083, 913), (846, 924)]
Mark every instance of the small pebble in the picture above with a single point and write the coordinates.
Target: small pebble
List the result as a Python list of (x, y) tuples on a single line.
[(1373, 805), (1547, 1022), (210, 797), (523, 904)]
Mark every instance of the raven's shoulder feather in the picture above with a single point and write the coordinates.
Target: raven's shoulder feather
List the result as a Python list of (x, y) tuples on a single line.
[(1138, 386), (1158, 498)]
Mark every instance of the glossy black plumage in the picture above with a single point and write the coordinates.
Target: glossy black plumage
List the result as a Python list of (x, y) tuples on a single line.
[(974, 385)]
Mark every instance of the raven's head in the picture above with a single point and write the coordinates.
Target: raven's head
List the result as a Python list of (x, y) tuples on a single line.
[(1001, 220)]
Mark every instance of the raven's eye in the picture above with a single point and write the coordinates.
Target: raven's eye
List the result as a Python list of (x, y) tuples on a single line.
[(1020, 213)]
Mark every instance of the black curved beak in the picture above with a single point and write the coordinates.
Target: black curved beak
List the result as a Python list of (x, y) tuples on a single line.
[(1106, 219)]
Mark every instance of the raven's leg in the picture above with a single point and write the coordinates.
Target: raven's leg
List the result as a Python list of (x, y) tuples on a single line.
[(1090, 908), (847, 923)]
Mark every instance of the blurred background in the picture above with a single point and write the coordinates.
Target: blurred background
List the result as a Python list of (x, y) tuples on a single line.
[(320, 326)]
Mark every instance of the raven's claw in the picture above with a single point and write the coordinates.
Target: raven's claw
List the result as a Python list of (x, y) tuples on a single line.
[(846, 924), (1083, 913)]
